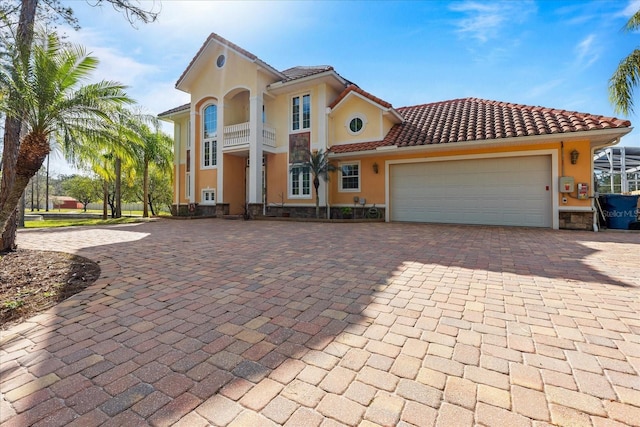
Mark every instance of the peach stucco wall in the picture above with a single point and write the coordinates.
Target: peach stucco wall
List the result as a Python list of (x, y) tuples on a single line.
[(234, 183), (375, 126), (372, 185)]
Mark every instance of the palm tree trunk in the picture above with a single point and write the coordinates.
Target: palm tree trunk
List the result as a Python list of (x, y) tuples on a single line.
[(9, 158), (316, 185), (8, 238), (145, 190), (118, 196), (105, 198), (153, 212), (31, 154), (9, 209), (46, 197), (12, 127)]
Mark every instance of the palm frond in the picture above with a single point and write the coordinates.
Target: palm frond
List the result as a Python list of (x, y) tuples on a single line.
[(633, 23), (622, 83)]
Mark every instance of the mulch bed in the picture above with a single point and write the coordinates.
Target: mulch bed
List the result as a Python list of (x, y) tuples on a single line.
[(33, 281)]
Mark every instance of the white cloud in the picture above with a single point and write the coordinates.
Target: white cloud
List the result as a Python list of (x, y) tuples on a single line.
[(484, 21), (587, 51), (541, 90), (235, 20), (631, 8), (114, 65)]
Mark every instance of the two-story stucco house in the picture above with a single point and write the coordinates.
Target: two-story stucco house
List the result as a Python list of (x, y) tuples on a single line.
[(470, 161)]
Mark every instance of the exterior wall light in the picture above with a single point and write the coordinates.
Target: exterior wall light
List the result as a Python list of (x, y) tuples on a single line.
[(574, 156), (375, 167)]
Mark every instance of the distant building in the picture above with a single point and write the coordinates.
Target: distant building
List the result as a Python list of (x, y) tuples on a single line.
[(65, 202)]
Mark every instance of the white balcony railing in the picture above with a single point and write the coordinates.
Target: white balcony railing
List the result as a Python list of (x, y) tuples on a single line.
[(235, 135), (239, 134), (268, 135)]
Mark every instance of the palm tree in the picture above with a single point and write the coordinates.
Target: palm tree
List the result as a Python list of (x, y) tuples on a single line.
[(157, 148), (627, 75), (48, 95), (319, 165)]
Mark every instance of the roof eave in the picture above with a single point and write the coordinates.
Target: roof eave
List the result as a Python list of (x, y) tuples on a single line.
[(389, 111), (280, 86), (394, 113), (174, 112), (264, 66)]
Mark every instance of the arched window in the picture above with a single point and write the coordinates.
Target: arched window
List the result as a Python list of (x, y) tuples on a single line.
[(210, 137)]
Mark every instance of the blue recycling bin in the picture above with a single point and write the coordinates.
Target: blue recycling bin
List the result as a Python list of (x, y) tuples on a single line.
[(619, 210)]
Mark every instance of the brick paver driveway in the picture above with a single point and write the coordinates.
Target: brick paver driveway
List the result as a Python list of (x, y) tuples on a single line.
[(306, 324)]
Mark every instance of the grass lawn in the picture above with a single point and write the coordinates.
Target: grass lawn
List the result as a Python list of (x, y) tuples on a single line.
[(50, 223)]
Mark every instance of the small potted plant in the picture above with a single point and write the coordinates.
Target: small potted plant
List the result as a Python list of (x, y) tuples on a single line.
[(346, 212)]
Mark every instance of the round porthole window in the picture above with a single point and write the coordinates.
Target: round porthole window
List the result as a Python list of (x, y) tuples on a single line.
[(220, 61), (355, 125)]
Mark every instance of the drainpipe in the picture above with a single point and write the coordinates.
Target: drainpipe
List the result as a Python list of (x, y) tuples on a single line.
[(177, 164), (326, 147)]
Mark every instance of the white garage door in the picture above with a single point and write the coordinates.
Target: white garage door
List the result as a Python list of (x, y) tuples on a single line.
[(497, 191)]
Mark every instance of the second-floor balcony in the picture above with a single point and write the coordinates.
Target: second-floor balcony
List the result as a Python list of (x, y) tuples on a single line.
[(238, 135)]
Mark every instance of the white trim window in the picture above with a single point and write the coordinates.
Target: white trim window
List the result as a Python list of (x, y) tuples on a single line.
[(349, 177), (301, 112), (208, 197), (187, 185), (210, 137), (299, 182), (356, 124)]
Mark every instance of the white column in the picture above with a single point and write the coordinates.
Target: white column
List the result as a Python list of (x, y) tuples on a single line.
[(220, 169), (255, 149), (192, 161), (321, 115)]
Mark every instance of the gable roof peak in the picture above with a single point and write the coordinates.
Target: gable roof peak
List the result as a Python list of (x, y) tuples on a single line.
[(221, 40), (354, 88)]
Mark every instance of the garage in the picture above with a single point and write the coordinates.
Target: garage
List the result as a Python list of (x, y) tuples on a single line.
[(513, 191)]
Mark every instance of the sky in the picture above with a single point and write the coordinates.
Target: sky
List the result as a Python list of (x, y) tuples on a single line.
[(557, 54)]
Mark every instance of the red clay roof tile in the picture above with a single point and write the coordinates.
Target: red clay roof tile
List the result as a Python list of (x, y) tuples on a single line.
[(299, 72), (474, 119)]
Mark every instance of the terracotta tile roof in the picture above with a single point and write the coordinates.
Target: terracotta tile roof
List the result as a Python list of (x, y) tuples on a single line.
[(299, 72), (184, 107), (357, 146), (473, 119), (354, 88)]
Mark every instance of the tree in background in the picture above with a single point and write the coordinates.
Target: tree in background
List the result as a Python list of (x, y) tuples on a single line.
[(35, 191), (126, 143), (157, 150), (104, 166), (160, 189), (84, 189), (48, 97), (627, 75)]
